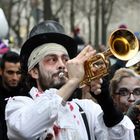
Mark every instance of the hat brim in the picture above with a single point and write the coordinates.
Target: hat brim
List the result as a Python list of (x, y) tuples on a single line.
[(40, 39)]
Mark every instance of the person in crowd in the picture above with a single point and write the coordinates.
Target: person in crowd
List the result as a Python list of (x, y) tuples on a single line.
[(125, 90), (134, 114), (9, 83), (54, 72), (122, 26), (78, 39)]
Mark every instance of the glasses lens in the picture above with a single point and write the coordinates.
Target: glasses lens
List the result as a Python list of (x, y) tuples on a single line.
[(123, 92), (136, 91)]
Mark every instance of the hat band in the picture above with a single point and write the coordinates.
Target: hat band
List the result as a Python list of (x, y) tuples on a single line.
[(41, 51)]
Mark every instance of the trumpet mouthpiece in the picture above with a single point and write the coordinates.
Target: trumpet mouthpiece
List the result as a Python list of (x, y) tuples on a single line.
[(61, 74)]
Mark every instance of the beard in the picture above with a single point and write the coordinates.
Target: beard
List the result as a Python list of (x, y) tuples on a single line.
[(51, 80)]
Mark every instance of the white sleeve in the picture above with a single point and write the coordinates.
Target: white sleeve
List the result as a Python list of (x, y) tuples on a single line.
[(122, 131), (29, 118)]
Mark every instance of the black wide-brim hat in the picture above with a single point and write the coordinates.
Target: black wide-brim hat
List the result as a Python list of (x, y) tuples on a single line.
[(40, 39)]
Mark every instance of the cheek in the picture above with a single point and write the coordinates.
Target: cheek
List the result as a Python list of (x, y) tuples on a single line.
[(122, 103), (45, 67), (7, 76), (19, 76), (123, 100), (120, 100), (45, 73)]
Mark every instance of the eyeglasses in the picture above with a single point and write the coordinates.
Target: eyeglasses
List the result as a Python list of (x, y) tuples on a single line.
[(127, 92)]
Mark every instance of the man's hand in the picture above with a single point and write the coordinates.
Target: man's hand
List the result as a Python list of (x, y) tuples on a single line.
[(95, 86), (76, 71), (75, 66)]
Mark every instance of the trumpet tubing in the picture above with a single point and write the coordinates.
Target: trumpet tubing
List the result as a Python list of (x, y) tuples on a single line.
[(122, 44)]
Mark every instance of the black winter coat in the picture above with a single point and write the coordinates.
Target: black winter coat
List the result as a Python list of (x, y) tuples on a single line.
[(4, 93)]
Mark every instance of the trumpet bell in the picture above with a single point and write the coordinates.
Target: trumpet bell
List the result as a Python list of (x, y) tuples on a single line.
[(123, 44)]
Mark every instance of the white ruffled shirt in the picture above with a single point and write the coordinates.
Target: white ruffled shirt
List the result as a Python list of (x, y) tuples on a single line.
[(44, 115)]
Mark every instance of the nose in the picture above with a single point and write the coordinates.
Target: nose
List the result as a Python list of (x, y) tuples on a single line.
[(61, 64), (131, 98)]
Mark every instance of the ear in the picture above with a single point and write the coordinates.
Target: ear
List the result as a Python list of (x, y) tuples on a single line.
[(34, 73)]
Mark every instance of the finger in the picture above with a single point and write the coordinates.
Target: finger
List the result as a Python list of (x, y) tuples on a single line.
[(83, 52), (97, 92), (89, 55), (101, 80), (95, 87), (91, 48), (96, 81), (86, 51)]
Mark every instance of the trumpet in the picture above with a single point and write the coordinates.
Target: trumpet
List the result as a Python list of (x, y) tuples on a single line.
[(122, 43)]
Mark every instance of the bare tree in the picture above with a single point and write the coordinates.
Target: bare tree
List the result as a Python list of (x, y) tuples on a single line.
[(7, 6), (71, 12), (36, 12), (72, 15), (107, 7), (97, 24), (51, 12), (48, 14), (87, 8), (13, 10)]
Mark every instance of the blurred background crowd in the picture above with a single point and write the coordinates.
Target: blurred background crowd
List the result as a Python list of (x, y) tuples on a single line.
[(88, 22)]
